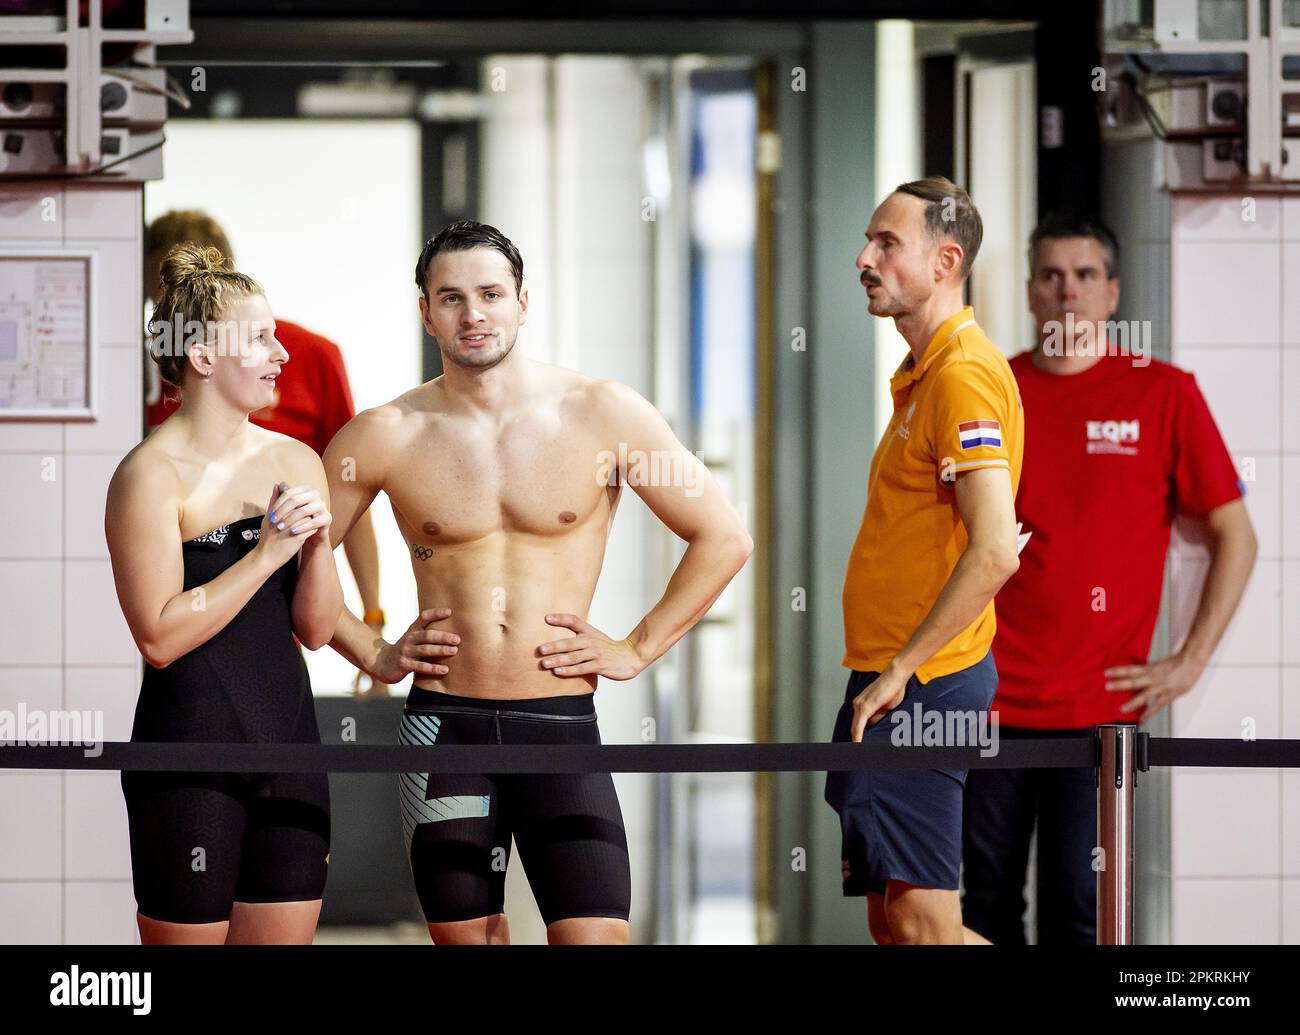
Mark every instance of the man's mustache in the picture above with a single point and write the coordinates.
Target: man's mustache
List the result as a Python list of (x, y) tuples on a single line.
[(868, 277)]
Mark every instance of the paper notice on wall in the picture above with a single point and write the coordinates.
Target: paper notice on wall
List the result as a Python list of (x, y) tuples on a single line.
[(44, 332)]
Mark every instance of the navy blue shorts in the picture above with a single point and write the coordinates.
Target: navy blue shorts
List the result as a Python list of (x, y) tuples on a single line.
[(905, 824)]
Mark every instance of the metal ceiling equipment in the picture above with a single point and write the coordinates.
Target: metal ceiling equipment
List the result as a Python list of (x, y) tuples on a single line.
[(83, 99), (1217, 80)]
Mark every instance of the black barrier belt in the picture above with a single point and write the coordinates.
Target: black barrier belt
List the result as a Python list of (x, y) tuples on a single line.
[(544, 758), (1055, 753), (1234, 754)]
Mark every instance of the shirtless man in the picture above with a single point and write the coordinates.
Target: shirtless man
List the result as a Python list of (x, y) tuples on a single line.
[(504, 475)]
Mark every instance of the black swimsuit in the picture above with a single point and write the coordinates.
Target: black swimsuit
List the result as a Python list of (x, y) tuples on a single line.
[(202, 841), (568, 826)]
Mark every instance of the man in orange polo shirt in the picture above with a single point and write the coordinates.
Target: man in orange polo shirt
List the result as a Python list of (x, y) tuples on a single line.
[(938, 540)]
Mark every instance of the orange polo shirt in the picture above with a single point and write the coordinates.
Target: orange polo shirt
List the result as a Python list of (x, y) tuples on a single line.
[(957, 410)]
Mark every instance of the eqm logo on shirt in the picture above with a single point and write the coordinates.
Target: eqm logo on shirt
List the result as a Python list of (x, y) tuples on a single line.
[(1113, 436)]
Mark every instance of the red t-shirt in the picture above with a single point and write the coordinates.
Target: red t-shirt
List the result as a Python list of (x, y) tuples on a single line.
[(1112, 455), (313, 399)]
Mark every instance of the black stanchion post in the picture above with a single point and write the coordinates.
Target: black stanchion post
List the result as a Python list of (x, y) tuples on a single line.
[(1116, 755)]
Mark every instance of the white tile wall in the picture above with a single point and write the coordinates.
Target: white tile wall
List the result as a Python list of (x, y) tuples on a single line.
[(68, 877), (104, 214), (31, 510), (1230, 701), (31, 437), (1219, 911), (1216, 219), (1290, 612), (95, 839), (1255, 633), (100, 913), (117, 405), (1290, 709), (31, 912), (88, 475), (94, 630), (32, 213), (1225, 822), (1289, 696), (1236, 324), (1226, 293), (1290, 385), (31, 609), (1290, 831), (1289, 503), (118, 303), (31, 802), (1291, 219), (1291, 298), (112, 691), (33, 688), (1290, 910), (1236, 383)]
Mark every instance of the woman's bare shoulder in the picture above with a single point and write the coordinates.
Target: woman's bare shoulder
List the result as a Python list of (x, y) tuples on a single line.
[(147, 461), (146, 479), (285, 458)]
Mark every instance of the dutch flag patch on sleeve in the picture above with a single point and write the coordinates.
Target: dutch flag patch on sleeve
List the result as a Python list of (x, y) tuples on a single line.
[(972, 433)]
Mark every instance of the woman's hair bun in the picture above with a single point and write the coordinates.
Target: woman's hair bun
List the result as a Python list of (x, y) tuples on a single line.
[(192, 260), (198, 284)]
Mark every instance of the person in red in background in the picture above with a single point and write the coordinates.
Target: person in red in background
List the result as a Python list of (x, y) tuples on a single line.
[(312, 398), (1116, 445)]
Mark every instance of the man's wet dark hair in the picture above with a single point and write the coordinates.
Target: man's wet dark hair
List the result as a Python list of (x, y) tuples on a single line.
[(1062, 225), (461, 237)]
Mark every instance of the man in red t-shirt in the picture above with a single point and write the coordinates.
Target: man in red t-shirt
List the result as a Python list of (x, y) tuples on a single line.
[(312, 396), (1116, 445)]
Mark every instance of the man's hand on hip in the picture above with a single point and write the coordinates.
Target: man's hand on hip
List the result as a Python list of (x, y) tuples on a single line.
[(414, 651), (1158, 684), (589, 652)]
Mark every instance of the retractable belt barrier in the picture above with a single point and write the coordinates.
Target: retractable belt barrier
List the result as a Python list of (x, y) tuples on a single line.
[(1117, 752), (1057, 753), (542, 758)]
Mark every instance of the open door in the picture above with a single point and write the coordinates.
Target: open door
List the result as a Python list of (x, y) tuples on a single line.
[(997, 162)]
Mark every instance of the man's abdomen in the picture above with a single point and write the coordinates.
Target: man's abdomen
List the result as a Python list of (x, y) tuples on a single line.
[(499, 599)]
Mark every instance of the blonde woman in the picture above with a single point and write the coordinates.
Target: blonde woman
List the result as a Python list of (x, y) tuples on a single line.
[(219, 533)]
